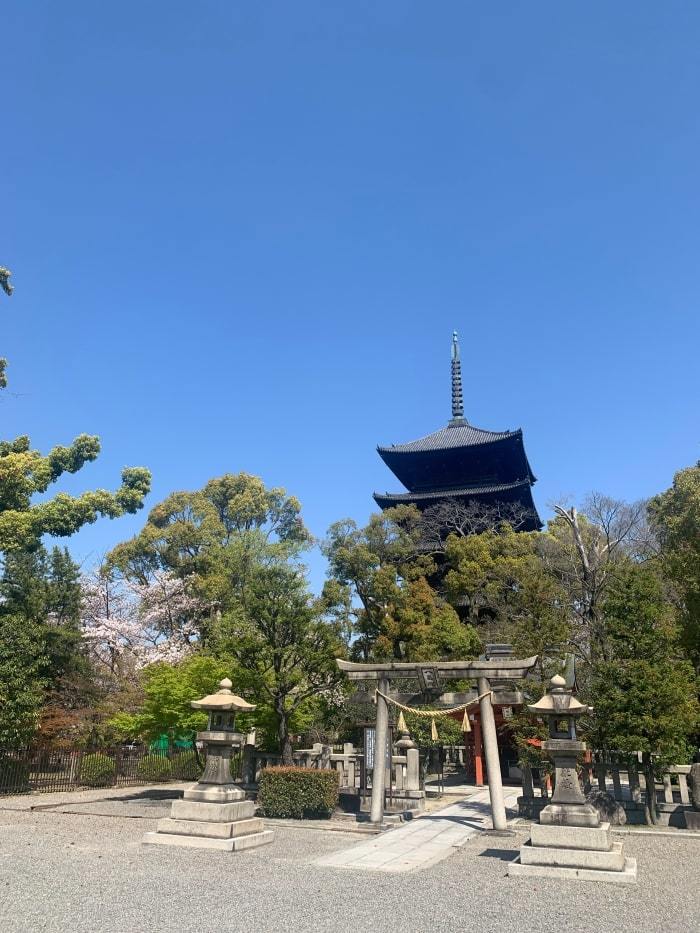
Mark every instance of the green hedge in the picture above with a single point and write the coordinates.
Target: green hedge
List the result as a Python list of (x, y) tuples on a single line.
[(98, 770), (185, 767), (154, 768), (296, 793)]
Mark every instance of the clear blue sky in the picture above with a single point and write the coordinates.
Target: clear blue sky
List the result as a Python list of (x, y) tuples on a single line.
[(242, 234)]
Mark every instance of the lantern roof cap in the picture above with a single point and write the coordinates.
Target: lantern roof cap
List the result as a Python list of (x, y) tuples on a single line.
[(223, 699), (559, 701)]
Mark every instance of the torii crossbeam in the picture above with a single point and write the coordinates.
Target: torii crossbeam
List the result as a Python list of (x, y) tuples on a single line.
[(483, 671)]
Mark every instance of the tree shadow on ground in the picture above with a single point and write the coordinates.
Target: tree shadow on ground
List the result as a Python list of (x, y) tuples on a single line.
[(505, 855)]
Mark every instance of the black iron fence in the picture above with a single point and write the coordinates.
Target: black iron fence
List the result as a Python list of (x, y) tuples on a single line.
[(46, 769)]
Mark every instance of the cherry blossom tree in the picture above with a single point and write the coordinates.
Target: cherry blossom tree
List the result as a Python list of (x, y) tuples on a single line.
[(130, 625)]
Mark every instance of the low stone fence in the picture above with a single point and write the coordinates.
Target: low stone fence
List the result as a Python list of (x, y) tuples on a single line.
[(624, 778), (348, 762), (403, 781)]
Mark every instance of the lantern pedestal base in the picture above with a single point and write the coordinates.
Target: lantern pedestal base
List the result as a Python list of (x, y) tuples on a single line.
[(214, 793), (570, 815), (226, 822), (236, 844), (578, 853), (628, 875)]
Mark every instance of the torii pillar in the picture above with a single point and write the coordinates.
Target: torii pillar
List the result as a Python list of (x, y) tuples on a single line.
[(484, 672), (381, 732), (493, 762)]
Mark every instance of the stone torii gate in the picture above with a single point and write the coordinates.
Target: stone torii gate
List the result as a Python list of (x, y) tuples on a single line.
[(429, 673)]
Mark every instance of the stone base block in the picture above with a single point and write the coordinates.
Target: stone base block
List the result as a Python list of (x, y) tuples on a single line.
[(571, 837), (214, 793), (555, 814), (692, 819), (236, 844), (211, 830), (212, 812), (628, 875), (529, 808), (399, 801), (614, 860)]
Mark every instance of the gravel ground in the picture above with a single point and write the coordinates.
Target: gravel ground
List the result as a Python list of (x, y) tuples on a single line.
[(82, 872)]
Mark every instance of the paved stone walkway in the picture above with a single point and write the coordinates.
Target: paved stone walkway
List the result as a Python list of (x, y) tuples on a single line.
[(424, 841)]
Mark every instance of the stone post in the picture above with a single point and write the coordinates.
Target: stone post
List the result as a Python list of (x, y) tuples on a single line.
[(248, 764), (376, 813), (412, 769), (692, 817), (493, 764)]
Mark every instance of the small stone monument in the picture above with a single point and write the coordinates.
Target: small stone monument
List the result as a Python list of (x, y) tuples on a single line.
[(409, 794), (214, 813), (569, 841)]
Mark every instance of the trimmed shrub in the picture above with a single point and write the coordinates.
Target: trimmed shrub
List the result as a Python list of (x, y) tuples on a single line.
[(14, 775), (98, 770), (185, 767), (298, 793), (154, 768)]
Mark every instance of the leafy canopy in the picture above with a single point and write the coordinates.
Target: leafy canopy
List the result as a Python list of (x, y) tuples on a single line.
[(188, 531), (675, 515), (379, 588), (644, 693), (25, 473)]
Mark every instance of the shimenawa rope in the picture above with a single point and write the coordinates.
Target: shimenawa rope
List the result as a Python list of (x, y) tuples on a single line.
[(431, 714)]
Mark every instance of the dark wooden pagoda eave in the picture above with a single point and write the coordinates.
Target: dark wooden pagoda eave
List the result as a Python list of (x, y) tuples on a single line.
[(395, 456)]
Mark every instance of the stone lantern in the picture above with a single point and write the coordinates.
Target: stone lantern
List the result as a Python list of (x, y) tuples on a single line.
[(569, 841), (214, 813), (220, 738), (561, 710)]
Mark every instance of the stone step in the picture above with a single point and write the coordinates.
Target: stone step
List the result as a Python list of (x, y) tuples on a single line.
[(571, 837), (627, 876), (614, 860), (211, 829), (205, 842), (212, 812)]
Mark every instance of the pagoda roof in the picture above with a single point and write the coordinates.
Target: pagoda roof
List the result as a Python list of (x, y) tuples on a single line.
[(462, 492), (458, 433)]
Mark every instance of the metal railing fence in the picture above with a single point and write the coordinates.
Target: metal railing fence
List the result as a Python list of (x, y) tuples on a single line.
[(48, 769)]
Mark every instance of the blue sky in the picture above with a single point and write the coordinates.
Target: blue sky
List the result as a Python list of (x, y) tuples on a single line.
[(242, 234)]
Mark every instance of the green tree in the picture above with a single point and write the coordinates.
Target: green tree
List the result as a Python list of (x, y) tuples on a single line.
[(168, 692), (285, 650), (379, 585), (498, 577), (215, 534), (43, 588), (21, 687), (25, 473), (237, 543), (675, 516), (643, 692)]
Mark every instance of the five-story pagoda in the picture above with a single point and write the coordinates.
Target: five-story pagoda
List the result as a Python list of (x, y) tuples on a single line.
[(464, 464)]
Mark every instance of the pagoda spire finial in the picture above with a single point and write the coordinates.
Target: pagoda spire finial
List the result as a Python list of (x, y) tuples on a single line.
[(457, 400)]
